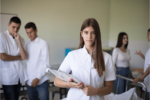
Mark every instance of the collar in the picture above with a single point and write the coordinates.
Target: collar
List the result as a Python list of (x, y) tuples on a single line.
[(86, 52), (37, 39), (10, 35)]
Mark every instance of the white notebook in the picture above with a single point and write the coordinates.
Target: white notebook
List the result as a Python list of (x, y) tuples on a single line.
[(62, 75)]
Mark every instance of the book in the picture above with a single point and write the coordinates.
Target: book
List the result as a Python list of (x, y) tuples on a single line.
[(62, 75)]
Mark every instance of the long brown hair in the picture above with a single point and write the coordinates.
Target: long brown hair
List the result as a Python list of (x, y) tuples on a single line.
[(97, 53), (120, 38)]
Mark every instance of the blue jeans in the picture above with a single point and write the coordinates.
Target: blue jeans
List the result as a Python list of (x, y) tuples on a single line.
[(41, 90), (121, 84), (148, 96), (11, 92)]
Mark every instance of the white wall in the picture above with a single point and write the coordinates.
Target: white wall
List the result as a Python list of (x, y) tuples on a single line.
[(5, 20), (0, 15), (59, 21), (149, 13)]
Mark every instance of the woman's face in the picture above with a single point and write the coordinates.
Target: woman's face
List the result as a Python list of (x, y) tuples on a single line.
[(125, 39), (148, 36), (88, 35)]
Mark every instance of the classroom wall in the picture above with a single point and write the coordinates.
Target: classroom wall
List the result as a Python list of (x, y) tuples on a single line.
[(59, 21), (149, 13), (131, 17), (0, 15)]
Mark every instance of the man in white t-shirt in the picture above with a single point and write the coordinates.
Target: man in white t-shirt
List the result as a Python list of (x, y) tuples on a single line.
[(12, 52), (37, 62), (146, 75)]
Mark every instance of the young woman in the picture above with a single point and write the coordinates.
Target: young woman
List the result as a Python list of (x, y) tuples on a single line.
[(93, 67), (121, 58)]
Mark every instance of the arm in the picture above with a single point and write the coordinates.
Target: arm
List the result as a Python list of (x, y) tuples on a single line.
[(114, 56), (140, 54), (140, 70), (109, 76), (106, 90), (130, 72), (44, 60), (5, 57), (23, 53), (44, 63), (69, 84), (146, 73), (90, 91), (60, 83), (130, 67), (65, 67), (143, 76)]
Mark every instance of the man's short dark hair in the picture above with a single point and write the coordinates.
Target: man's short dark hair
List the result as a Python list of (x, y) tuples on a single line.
[(30, 25), (15, 19), (148, 30)]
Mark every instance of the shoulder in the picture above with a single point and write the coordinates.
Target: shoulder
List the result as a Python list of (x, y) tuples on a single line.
[(42, 41), (116, 49), (43, 44), (106, 56), (75, 53), (3, 34)]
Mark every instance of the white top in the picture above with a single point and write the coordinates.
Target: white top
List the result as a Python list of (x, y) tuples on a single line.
[(82, 66), (121, 59), (146, 65), (38, 60), (11, 71)]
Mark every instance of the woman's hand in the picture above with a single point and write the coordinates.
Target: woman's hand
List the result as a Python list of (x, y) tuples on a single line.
[(137, 80), (140, 54), (70, 84), (89, 90)]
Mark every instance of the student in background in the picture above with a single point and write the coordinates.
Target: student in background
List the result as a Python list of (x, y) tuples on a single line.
[(37, 62), (93, 67), (142, 56), (12, 52), (146, 75), (121, 58)]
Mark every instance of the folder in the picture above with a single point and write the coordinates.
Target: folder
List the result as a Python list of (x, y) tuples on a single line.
[(62, 75)]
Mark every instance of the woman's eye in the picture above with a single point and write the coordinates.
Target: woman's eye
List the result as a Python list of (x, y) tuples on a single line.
[(85, 32), (93, 32)]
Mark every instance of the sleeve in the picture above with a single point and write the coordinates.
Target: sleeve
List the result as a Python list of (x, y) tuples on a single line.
[(65, 66), (149, 57), (129, 60), (114, 56), (2, 48), (45, 63), (110, 70), (23, 43)]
